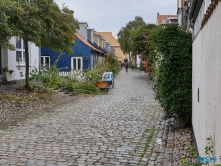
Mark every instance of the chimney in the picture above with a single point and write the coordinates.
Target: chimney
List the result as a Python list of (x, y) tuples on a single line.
[(158, 14)]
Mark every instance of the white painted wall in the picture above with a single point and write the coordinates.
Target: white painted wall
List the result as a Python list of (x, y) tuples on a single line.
[(34, 52), (207, 77), (138, 61), (207, 3), (96, 39), (180, 17), (82, 31), (92, 35)]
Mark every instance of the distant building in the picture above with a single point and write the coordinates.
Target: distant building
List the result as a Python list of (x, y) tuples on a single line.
[(166, 19), (183, 7), (115, 44)]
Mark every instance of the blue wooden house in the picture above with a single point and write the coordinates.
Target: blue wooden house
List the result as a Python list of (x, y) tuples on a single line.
[(84, 57)]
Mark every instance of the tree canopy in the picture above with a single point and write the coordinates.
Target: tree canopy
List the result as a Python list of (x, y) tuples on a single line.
[(7, 9), (124, 35), (41, 22), (140, 39)]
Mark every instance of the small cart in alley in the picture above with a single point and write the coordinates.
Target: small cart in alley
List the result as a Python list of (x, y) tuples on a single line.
[(106, 81)]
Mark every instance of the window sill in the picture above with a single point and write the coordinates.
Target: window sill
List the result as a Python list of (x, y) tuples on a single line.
[(22, 65)]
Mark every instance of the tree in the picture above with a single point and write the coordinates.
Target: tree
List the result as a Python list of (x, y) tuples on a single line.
[(41, 22), (136, 23), (140, 39), (6, 26), (59, 26), (124, 35), (123, 38)]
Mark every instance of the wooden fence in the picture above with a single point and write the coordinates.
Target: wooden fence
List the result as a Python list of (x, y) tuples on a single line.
[(78, 75)]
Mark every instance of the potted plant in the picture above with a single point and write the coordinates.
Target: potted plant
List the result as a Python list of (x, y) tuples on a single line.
[(8, 73)]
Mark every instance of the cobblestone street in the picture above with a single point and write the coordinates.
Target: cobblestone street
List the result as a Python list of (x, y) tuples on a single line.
[(122, 127)]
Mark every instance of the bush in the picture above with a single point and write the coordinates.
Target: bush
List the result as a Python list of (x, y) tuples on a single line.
[(88, 84), (174, 72)]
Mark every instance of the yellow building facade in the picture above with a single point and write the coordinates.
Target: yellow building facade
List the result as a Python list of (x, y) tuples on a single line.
[(115, 44)]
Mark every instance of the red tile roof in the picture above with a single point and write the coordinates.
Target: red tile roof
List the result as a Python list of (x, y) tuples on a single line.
[(85, 42)]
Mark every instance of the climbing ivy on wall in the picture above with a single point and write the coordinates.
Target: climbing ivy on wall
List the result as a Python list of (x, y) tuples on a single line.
[(174, 71)]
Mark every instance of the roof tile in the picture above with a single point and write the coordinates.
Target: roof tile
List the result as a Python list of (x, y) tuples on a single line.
[(85, 42)]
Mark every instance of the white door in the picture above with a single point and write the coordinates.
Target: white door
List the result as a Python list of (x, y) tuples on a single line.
[(76, 63)]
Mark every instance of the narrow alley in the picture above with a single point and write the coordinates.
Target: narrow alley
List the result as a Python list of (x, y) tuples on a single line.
[(118, 128)]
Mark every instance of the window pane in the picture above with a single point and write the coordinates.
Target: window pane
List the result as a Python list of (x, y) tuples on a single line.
[(42, 60), (79, 63), (47, 61), (42, 67), (24, 57), (23, 44), (18, 56), (74, 64), (18, 43)]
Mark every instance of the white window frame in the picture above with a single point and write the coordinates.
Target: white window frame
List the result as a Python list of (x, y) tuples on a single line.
[(163, 20), (22, 50), (72, 65), (44, 62)]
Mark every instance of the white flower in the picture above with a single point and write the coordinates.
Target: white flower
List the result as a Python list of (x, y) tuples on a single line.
[(210, 133)]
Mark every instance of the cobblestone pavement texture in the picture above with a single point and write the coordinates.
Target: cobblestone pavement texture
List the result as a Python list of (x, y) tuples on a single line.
[(123, 127)]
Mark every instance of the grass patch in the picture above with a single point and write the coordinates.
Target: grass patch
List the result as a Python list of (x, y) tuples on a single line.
[(149, 139)]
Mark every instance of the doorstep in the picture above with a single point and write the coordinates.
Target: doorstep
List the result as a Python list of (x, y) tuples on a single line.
[(4, 82)]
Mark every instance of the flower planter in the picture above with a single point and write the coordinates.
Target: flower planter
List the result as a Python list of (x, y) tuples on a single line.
[(8, 76)]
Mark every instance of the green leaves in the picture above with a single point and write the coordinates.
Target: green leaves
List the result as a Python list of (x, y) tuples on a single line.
[(7, 8), (174, 70), (124, 35), (58, 26), (140, 39), (41, 22), (89, 80)]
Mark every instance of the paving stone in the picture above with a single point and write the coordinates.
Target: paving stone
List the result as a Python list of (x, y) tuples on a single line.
[(167, 164), (108, 129)]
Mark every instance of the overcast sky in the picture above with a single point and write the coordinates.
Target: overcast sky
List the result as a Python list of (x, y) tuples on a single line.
[(111, 15)]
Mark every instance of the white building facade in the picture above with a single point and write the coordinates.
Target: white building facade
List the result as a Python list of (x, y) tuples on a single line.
[(206, 78), (16, 59)]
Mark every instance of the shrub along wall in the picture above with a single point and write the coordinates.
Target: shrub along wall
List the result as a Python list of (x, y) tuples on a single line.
[(174, 71)]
